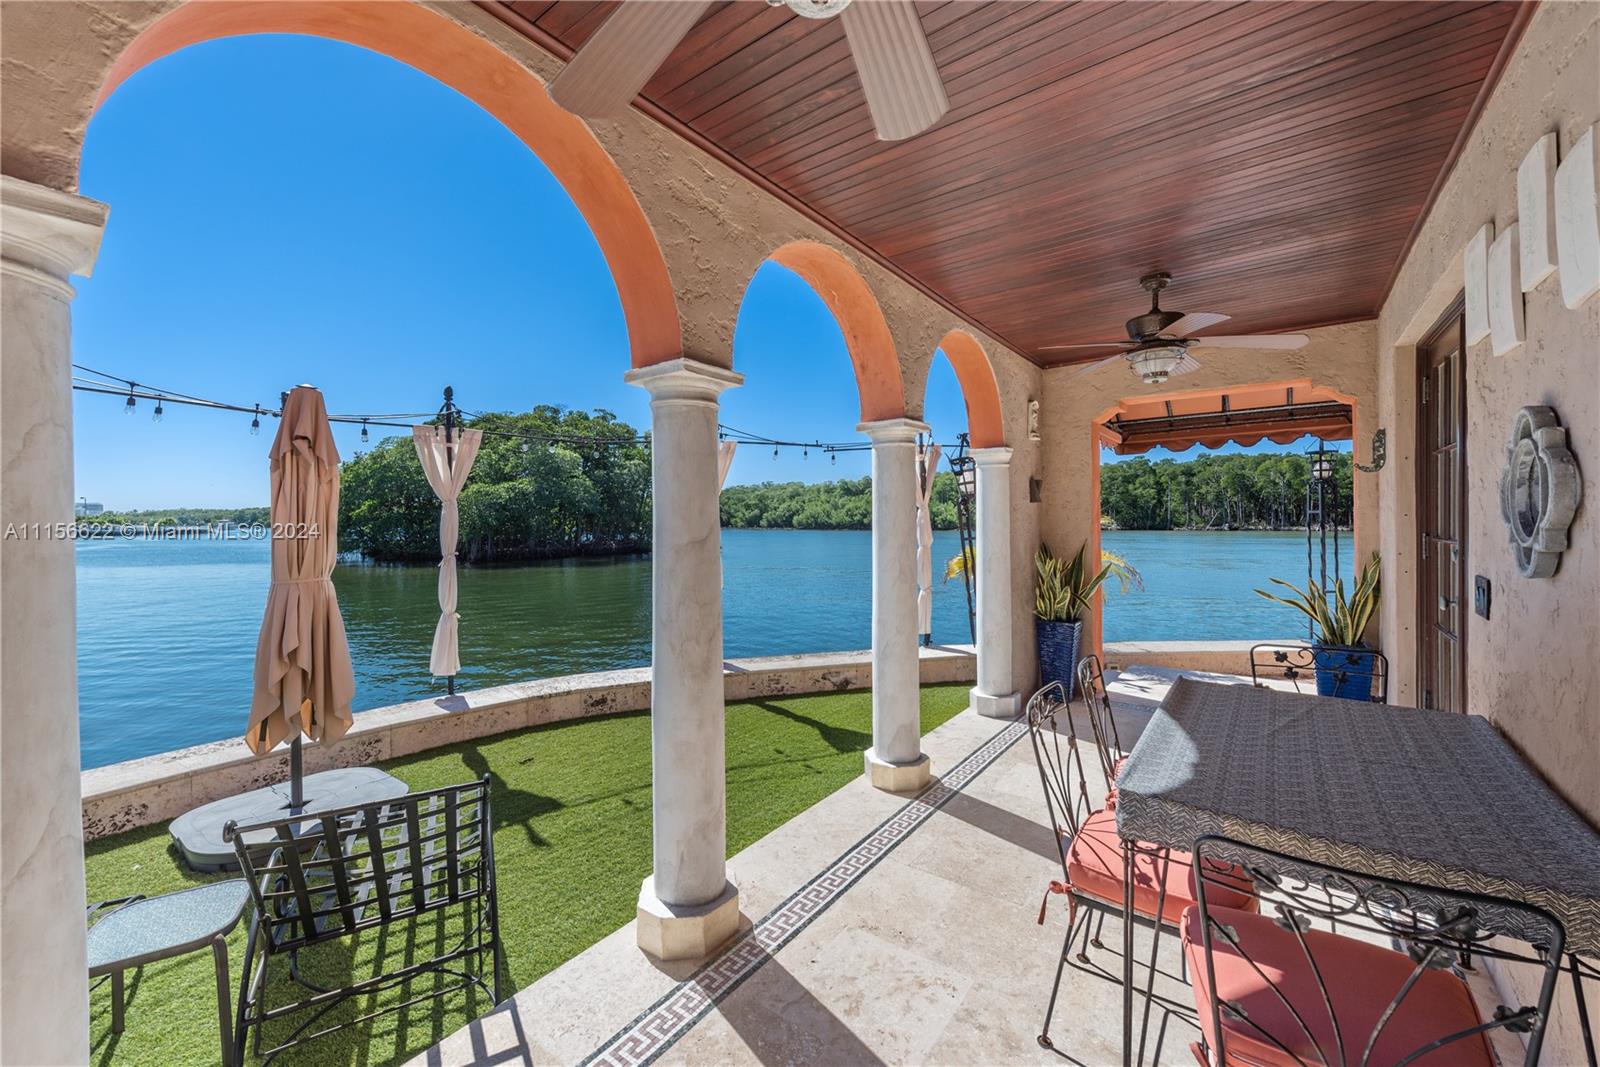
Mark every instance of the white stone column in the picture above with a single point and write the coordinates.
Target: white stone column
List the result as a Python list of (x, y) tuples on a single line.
[(688, 906), (45, 236), (895, 761), (995, 694)]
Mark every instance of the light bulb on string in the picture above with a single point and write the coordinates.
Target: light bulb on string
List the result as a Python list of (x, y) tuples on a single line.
[(774, 451), (255, 423), (805, 453), (127, 409), (834, 457), (364, 437), (155, 416)]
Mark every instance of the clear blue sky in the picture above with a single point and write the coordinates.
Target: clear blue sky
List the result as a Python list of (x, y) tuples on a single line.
[(287, 209)]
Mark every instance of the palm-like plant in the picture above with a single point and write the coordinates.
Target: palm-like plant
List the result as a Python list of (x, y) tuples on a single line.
[(1339, 620), (1064, 590), (1126, 574)]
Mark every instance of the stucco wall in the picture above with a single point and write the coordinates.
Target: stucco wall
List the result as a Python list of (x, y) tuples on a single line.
[(1337, 357), (1533, 666)]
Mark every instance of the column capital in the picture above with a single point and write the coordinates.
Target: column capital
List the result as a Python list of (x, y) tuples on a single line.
[(684, 380), (994, 456), (893, 431), (46, 234)]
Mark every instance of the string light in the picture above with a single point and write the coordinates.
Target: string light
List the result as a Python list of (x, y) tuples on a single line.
[(115, 385)]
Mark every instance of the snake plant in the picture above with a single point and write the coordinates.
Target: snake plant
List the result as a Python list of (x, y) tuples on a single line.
[(1063, 590), (1339, 620)]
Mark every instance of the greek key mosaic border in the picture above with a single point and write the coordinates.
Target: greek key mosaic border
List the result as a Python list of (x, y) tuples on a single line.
[(660, 1026)]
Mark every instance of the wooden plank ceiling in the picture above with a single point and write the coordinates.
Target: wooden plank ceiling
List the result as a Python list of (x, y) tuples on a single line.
[(1273, 157)]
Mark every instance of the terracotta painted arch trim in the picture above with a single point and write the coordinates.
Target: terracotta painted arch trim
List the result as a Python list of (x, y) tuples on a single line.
[(474, 67)]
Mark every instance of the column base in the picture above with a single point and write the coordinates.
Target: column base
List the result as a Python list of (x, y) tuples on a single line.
[(678, 932), (898, 777), (993, 707)]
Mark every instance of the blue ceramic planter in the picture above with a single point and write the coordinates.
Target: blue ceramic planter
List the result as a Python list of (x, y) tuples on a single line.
[(1343, 672), (1058, 652)]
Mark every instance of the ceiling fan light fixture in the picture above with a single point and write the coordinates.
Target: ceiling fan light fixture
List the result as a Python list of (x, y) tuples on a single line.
[(1153, 365), (812, 9)]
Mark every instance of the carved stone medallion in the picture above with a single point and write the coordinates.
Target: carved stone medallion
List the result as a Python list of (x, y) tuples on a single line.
[(1539, 490)]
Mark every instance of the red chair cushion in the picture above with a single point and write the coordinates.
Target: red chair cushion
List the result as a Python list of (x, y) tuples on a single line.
[(1094, 867), (1111, 794), (1362, 980)]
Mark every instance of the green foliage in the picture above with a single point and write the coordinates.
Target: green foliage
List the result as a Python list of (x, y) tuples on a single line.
[(1339, 620), (1266, 491), (182, 516), (839, 505), (571, 847), (524, 500), (1063, 591)]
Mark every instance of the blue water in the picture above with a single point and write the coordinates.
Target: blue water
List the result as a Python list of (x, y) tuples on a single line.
[(167, 629)]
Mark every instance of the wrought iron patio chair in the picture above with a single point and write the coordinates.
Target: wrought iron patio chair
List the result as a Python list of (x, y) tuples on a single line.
[(329, 875), (1102, 722), (1278, 987), (1353, 673), (1100, 874)]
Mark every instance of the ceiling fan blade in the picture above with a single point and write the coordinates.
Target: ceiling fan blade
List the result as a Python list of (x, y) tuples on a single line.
[(614, 63), (1085, 368), (898, 75), (1255, 340), (1095, 344), (1195, 320), (1185, 365)]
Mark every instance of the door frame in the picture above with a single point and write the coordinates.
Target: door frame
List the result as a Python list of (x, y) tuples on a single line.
[(1453, 316)]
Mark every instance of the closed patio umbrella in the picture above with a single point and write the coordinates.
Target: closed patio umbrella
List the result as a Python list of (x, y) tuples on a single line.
[(447, 462), (929, 466), (304, 682)]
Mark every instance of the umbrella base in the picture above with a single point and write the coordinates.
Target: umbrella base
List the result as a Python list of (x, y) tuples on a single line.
[(198, 833)]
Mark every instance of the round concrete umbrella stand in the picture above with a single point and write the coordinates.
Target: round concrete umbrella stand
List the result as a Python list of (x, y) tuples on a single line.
[(198, 833)]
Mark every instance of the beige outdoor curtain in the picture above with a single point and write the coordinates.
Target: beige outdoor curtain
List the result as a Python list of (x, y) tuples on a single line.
[(725, 451), (447, 467), (928, 466), (303, 679)]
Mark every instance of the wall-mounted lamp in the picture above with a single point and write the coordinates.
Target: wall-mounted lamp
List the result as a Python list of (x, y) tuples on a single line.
[(1380, 452)]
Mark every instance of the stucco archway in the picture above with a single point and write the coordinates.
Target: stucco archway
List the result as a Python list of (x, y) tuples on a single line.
[(474, 67), (860, 319), (979, 390)]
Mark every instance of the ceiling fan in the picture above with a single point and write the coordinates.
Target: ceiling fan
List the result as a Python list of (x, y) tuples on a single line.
[(1159, 341), (898, 75)]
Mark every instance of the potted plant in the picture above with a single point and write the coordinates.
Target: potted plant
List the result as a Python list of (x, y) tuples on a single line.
[(1343, 661), (1063, 592)]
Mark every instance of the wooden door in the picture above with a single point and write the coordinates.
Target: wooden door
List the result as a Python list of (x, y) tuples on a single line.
[(1441, 515)]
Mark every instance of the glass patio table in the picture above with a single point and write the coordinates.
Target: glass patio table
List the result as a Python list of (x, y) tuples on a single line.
[(147, 929), (1430, 797)]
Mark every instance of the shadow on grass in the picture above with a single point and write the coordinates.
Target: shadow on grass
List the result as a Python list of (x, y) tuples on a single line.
[(841, 739), (510, 806)]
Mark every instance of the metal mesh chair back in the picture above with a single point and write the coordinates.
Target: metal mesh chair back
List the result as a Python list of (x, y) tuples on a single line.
[(1102, 721), (330, 874), (1066, 796), (1343, 969), (1352, 673)]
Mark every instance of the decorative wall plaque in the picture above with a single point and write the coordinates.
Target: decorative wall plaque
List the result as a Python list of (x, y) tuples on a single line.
[(1578, 220), (1476, 283), (1536, 212), (1505, 290), (1539, 490)]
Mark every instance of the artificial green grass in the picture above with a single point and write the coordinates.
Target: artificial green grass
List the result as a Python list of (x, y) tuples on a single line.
[(571, 805)]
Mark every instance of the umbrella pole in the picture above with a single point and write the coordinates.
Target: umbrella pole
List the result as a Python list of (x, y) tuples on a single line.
[(297, 798), (450, 464)]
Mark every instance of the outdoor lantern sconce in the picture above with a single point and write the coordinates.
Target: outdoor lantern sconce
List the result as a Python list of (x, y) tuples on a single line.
[(1380, 452), (1539, 490)]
